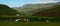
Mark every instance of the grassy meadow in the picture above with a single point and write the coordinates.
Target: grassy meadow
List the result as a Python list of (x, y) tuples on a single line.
[(35, 21), (13, 23)]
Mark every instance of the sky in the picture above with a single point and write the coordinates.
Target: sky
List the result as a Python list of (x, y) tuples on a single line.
[(17, 3)]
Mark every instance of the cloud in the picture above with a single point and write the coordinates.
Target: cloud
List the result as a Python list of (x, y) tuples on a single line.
[(52, 1), (47, 1)]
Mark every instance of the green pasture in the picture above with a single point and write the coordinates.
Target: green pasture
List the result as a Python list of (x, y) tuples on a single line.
[(34, 21), (13, 23)]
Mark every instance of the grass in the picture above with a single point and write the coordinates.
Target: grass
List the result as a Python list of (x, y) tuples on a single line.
[(13, 23)]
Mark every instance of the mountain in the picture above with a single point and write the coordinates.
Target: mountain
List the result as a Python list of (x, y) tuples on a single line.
[(33, 8), (6, 10), (50, 12)]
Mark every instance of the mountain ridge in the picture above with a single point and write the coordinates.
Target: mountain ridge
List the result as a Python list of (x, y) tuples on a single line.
[(30, 8)]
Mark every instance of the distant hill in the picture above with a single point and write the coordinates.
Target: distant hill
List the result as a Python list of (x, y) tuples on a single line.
[(51, 12), (33, 8), (6, 10)]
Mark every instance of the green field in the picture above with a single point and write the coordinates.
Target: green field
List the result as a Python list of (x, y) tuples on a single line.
[(35, 21), (13, 23)]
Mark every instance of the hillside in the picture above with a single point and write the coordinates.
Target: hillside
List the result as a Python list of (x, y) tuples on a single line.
[(30, 9), (5, 10), (51, 12)]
